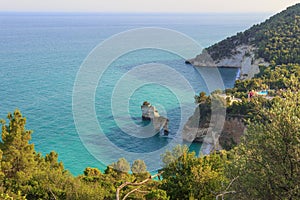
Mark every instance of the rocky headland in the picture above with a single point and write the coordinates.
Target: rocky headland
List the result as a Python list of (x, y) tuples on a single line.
[(273, 41)]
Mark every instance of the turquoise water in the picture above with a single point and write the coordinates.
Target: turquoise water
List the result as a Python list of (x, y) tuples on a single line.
[(40, 56)]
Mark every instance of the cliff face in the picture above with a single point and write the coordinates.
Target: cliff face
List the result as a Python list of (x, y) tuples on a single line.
[(215, 132), (242, 57)]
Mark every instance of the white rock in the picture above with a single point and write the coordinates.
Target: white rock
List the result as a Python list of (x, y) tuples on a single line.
[(242, 57)]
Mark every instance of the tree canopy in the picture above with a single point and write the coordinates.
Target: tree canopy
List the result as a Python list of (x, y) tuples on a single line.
[(268, 160)]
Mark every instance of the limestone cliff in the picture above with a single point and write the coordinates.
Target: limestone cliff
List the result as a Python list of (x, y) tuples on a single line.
[(242, 57), (215, 131)]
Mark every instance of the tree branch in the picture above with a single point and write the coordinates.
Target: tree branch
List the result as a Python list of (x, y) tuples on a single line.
[(134, 184), (132, 191), (52, 193), (222, 194)]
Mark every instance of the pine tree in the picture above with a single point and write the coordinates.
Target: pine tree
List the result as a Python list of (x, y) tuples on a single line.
[(18, 159)]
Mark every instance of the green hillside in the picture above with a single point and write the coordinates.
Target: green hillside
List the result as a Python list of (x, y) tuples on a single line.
[(277, 39)]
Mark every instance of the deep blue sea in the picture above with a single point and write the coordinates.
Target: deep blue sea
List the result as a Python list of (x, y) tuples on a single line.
[(41, 54)]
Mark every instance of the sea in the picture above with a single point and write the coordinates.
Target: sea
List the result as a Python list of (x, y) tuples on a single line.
[(41, 55)]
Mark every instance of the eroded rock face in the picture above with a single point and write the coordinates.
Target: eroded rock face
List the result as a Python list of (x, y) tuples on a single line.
[(150, 113), (215, 131)]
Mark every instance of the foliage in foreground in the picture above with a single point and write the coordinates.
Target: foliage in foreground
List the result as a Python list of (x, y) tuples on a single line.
[(267, 162), (188, 177), (26, 174)]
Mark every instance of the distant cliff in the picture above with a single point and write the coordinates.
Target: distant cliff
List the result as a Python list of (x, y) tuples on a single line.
[(275, 41)]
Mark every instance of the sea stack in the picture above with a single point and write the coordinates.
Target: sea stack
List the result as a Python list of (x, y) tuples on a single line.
[(149, 113)]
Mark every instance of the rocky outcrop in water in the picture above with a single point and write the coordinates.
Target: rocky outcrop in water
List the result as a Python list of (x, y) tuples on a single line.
[(150, 113)]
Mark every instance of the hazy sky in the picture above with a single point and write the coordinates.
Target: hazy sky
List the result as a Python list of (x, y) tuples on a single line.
[(147, 5)]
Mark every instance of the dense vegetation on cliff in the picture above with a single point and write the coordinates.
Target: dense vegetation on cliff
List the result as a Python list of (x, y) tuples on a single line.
[(265, 165), (277, 39)]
